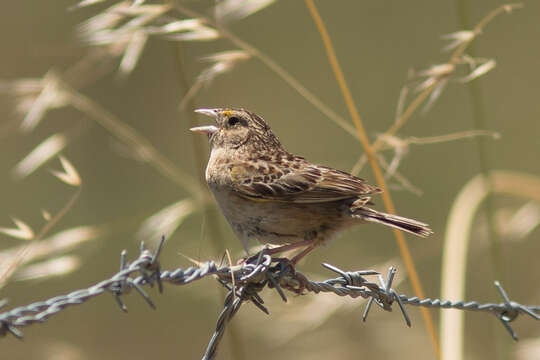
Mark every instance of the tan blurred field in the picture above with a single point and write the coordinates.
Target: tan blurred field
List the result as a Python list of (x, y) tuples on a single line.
[(109, 104)]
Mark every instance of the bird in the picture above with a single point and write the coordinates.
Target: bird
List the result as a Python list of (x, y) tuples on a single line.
[(280, 199)]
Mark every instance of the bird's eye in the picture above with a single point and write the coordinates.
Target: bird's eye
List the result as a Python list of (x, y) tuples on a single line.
[(233, 121)]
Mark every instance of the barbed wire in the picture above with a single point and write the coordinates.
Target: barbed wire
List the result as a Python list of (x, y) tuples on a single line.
[(244, 282)]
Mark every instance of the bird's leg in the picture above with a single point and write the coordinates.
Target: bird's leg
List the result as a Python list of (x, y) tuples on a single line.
[(275, 250), (304, 252), (288, 247)]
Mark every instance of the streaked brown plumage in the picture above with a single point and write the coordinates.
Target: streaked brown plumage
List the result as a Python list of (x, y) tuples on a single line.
[(275, 197)]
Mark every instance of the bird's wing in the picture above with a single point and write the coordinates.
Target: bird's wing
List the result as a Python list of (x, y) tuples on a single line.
[(297, 181)]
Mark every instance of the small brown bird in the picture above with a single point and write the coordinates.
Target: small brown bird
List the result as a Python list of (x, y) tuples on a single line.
[(275, 197)]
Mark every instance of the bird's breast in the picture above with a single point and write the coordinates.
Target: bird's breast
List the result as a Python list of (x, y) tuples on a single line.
[(217, 174)]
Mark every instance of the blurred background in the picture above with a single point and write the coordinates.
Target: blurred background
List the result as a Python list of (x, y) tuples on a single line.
[(110, 101)]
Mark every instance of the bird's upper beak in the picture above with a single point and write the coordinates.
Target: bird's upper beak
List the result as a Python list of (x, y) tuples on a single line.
[(208, 129)]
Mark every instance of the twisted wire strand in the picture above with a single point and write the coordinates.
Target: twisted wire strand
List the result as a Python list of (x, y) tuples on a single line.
[(244, 282)]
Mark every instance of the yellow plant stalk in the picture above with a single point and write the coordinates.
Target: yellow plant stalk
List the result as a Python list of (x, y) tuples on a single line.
[(405, 253)]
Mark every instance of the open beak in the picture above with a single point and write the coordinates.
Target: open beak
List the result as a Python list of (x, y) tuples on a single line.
[(208, 129)]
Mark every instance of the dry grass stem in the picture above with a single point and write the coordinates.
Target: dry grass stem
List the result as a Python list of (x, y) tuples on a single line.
[(401, 146), (42, 153), (400, 178), (127, 40), (451, 137), (132, 53), (55, 267), (276, 68), (46, 215), (129, 136), (69, 175), (438, 75), (22, 231), (85, 3), (405, 253), (35, 97), (458, 38), (521, 223), (166, 221), (8, 267), (55, 244), (223, 62), (456, 245), (232, 10), (479, 71), (453, 268)]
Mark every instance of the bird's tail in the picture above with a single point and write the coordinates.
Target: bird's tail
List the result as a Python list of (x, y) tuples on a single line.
[(398, 222)]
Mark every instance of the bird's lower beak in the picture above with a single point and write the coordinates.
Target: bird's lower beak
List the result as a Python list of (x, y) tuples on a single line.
[(209, 129)]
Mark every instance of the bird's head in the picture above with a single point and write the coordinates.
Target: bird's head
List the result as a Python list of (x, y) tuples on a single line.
[(237, 129)]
